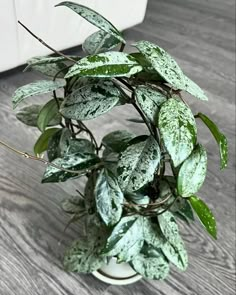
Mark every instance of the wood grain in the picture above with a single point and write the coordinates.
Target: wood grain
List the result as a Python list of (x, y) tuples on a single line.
[(201, 35)]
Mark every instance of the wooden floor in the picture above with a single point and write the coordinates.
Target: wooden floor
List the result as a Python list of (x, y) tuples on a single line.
[(201, 36)]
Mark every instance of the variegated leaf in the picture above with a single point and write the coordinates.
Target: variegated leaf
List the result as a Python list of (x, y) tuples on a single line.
[(72, 162), (49, 66), (109, 198), (117, 140), (149, 101), (205, 215), (90, 101), (169, 227), (138, 164), (151, 267), (99, 42), (168, 68), (126, 239), (83, 257), (105, 65), (152, 234), (35, 88), (176, 253), (178, 129), (192, 173), (94, 18)]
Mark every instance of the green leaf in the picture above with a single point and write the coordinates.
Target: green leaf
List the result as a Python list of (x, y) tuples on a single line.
[(138, 164), (41, 144), (99, 42), (94, 18), (126, 239), (29, 116), (178, 129), (169, 227), (205, 215), (35, 88), (83, 257), (109, 198), (168, 68), (73, 205), (105, 65), (72, 162), (219, 137), (48, 112), (117, 140), (192, 173), (90, 101), (151, 267), (150, 101)]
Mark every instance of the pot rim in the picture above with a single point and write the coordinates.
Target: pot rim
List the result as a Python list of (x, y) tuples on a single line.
[(116, 281)]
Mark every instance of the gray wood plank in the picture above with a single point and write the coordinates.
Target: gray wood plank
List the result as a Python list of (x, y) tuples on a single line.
[(201, 36)]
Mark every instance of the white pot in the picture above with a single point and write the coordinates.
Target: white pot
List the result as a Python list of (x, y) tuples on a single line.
[(117, 273)]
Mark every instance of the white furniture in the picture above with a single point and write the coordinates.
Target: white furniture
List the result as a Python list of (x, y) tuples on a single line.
[(60, 27)]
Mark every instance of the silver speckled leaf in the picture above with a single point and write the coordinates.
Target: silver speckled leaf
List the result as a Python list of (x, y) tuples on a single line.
[(99, 42), (79, 145), (150, 101), (72, 162), (156, 267), (178, 129), (169, 227), (205, 215), (192, 173), (126, 239), (168, 68), (35, 88), (109, 198), (94, 18), (176, 253), (109, 64), (83, 257), (49, 66), (152, 234), (138, 164), (90, 101), (219, 137)]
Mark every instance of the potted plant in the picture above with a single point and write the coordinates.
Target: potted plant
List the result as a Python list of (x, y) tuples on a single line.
[(137, 186)]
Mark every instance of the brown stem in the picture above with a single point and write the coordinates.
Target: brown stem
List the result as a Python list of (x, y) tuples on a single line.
[(45, 44), (90, 134), (152, 204)]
